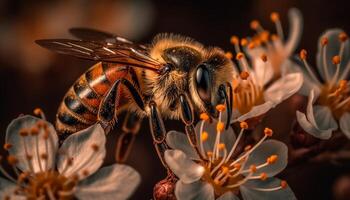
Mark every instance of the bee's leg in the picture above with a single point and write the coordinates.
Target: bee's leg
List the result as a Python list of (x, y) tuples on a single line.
[(131, 127), (108, 108), (158, 132), (228, 100), (187, 117)]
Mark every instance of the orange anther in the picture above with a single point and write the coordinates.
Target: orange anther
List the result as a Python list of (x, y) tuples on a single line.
[(343, 84), (274, 37), (268, 132), (284, 184), (336, 60), (243, 125), (221, 146), (204, 116), (237, 166), (324, 41), (209, 153), (263, 176), (244, 75), (7, 146), (205, 136), (12, 160), (220, 107), (37, 111), (239, 55), (34, 131), (274, 16), (303, 54), (220, 126), (252, 168), (224, 169), (95, 147), (234, 40), (23, 132), (264, 36), (343, 36), (263, 57), (229, 55), (244, 41), (251, 45), (254, 24), (272, 159)]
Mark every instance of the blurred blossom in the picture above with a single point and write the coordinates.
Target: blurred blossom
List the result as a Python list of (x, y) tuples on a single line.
[(254, 90), (276, 47), (53, 19), (213, 169), (32, 144), (328, 106), (341, 188)]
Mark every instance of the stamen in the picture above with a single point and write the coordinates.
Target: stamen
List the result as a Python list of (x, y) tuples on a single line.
[(13, 161), (204, 116), (255, 25), (220, 107), (272, 159), (244, 126), (276, 19), (235, 42), (324, 43), (336, 61), (244, 42), (343, 37), (229, 55), (24, 133), (7, 146), (34, 132), (303, 55), (268, 132), (263, 57), (252, 170), (244, 75), (39, 112)]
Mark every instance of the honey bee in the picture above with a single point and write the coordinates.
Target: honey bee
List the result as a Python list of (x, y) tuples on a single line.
[(170, 78)]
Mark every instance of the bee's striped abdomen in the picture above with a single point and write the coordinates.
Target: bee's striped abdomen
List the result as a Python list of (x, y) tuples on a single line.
[(79, 107)]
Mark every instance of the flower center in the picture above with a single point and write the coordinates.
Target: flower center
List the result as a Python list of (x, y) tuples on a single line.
[(225, 170), (337, 98), (46, 185)]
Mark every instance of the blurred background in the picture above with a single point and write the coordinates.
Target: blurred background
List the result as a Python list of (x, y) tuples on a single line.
[(33, 77)]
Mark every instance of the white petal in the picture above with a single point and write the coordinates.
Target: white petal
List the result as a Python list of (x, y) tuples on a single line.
[(18, 150), (184, 168), (333, 47), (227, 137), (284, 87), (324, 118), (194, 191), (79, 147), (228, 196), (263, 71), (310, 108), (296, 28), (344, 124), (311, 129), (178, 140), (256, 111), (113, 182), (265, 150), (249, 193)]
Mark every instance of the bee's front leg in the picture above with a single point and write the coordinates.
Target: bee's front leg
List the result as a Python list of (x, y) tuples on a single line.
[(158, 131)]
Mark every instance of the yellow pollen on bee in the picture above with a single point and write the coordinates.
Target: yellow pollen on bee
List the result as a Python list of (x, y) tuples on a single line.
[(263, 57), (247, 148), (12, 160), (244, 75), (254, 24), (34, 131), (303, 54), (220, 126), (244, 42), (95, 147), (205, 136), (274, 16), (284, 184), (243, 125), (272, 159), (237, 166), (336, 60), (252, 168), (7, 146), (221, 146), (234, 40), (23, 133), (239, 55), (268, 132), (263, 176), (343, 36), (220, 107), (225, 170), (229, 55), (204, 116), (324, 41)]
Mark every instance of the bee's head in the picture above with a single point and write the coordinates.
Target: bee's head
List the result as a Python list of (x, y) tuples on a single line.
[(210, 80)]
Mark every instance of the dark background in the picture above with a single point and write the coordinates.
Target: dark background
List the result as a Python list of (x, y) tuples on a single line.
[(32, 77)]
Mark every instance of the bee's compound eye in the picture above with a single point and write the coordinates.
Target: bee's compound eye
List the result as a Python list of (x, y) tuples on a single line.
[(203, 83)]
